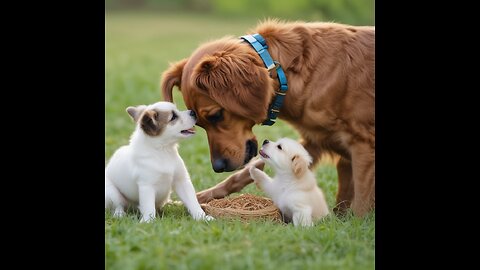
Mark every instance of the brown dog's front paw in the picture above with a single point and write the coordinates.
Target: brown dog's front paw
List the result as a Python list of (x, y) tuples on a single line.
[(341, 208), (204, 196)]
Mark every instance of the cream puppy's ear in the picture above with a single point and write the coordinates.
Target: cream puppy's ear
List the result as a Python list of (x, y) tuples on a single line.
[(135, 112), (299, 166)]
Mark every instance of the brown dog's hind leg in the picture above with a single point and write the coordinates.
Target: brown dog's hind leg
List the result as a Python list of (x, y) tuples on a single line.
[(234, 183), (345, 186), (363, 168)]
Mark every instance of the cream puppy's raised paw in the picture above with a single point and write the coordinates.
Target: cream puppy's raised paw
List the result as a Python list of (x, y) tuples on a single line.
[(294, 189), (145, 171)]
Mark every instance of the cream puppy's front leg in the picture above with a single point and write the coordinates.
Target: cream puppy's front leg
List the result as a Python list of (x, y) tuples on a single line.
[(185, 190), (263, 180), (146, 195)]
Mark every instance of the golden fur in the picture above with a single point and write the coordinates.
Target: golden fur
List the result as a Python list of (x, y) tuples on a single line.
[(330, 101)]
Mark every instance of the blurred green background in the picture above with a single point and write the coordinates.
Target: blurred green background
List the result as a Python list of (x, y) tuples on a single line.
[(141, 38), (359, 12)]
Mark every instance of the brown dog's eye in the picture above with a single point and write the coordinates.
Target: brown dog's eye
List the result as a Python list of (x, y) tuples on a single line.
[(279, 147), (216, 117)]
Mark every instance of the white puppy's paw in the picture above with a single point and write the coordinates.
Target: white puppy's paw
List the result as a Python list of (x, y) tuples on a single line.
[(118, 213), (147, 219), (201, 216), (208, 218)]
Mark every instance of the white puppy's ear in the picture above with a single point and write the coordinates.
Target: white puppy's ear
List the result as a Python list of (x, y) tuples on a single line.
[(135, 112), (299, 166), (153, 122)]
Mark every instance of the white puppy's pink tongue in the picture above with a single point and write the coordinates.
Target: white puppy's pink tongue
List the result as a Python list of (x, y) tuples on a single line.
[(263, 154), (188, 131)]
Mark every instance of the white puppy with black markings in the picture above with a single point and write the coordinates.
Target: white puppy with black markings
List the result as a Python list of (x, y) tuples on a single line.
[(294, 189), (144, 172)]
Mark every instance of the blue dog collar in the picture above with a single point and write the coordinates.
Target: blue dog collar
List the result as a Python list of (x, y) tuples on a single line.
[(260, 46)]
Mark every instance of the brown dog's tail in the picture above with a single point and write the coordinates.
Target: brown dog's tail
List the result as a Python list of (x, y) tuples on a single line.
[(172, 77)]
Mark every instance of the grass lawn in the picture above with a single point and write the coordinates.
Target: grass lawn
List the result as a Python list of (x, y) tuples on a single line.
[(138, 49)]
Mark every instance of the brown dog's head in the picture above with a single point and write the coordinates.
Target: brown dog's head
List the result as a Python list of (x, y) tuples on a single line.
[(229, 88)]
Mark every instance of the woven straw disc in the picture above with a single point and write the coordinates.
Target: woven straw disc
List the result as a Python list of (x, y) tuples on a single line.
[(245, 207)]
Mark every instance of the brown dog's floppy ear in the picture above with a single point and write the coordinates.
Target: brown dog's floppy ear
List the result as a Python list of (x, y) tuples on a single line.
[(236, 80), (209, 69), (172, 77), (299, 166), (135, 112)]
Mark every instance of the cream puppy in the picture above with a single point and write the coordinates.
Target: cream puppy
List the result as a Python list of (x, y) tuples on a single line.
[(145, 171), (294, 189)]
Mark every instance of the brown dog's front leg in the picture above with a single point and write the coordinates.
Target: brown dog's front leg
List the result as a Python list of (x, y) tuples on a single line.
[(234, 183)]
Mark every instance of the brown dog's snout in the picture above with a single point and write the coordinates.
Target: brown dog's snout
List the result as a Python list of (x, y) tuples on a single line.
[(222, 163)]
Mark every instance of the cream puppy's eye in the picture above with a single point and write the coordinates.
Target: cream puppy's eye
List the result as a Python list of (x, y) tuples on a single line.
[(279, 147), (174, 116)]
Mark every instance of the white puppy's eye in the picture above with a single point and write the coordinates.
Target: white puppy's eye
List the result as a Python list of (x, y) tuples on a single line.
[(174, 116), (279, 147)]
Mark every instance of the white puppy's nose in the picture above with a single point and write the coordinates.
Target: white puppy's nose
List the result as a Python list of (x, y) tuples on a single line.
[(265, 142)]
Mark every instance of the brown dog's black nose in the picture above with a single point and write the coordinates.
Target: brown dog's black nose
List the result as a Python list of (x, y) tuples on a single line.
[(193, 114), (219, 165), (265, 142)]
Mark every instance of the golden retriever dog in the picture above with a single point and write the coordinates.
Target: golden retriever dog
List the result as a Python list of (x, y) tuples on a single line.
[(330, 101)]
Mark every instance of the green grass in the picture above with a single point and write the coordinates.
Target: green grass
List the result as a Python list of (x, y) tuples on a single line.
[(138, 48)]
